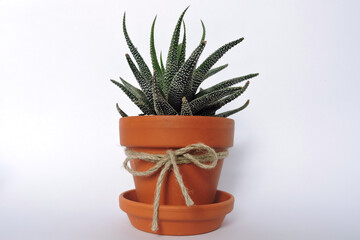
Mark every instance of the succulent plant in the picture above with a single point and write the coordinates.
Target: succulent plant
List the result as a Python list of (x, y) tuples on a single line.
[(172, 89)]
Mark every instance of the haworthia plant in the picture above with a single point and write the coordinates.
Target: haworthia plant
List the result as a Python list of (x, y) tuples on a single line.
[(173, 88)]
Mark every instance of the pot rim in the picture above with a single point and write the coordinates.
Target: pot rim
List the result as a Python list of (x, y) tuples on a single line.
[(174, 131), (175, 116)]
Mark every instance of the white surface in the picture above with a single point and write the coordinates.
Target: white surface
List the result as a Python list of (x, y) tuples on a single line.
[(296, 146)]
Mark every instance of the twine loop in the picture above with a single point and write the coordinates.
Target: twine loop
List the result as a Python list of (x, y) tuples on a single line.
[(199, 154)]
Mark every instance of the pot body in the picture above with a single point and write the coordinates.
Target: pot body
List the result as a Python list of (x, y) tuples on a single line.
[(156, 134)]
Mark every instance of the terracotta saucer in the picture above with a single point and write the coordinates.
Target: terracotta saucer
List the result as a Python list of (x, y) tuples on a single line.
[(177, 220)]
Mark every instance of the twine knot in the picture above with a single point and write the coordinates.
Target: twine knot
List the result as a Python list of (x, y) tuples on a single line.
[(193, 153)]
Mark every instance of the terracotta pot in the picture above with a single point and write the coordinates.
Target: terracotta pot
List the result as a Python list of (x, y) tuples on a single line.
[(156, 134), (178, 220)]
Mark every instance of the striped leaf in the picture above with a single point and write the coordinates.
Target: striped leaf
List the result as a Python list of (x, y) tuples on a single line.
[(138, 102), (137, 92), (181, 84), (213, 71), (185, 108), (226, 84), (161, 106), (171, 88), (144, 69), (182, 50), (212, 108), (122, 113), (144, 84), (154, 60), (228, 113), (171, 62), (202, 70), (201, 102)]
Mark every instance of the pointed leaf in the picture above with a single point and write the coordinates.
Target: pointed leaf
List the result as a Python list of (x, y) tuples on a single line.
[(204, 31), (213, 71), (181, 84), (201, 102), (182, 49), (137, 92), (171, 62), (141, 104), (212, 108), (227, 83), (161, 106), (228, 113), (154, 60), (122, 113), (185, 108), (145, 85), (201, 71), (144, 69)]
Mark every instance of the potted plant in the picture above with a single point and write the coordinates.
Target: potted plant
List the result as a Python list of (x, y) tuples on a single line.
[(177, 145)]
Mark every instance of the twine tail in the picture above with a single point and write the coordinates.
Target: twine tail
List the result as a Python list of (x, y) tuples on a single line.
[(155, 225), (189, 202)]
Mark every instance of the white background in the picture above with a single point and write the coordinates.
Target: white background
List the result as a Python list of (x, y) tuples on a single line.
[(294, 167)]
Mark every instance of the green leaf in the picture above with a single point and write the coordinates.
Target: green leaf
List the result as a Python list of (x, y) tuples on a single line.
[(204, 31), (228, 113), (227, 83), (144, 69), (171, 62), (137, 92), (181, 84), (182, 49), (179, 52), (213, 71), (212, 108), (185, 108), (202, 70), (138, 102), (122, 113), (145, 85), (154, 60), (162, 64), (201, 102), (161, 106)]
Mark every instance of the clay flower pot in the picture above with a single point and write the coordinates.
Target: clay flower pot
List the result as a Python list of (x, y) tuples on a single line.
[(157, 134)]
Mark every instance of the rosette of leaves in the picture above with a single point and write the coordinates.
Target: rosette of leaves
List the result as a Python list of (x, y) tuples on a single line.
[(173, 88)]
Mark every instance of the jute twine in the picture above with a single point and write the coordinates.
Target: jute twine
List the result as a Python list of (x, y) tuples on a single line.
[(193, 153)]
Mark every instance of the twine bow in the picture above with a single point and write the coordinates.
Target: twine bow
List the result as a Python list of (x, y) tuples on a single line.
[(172, 158)]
